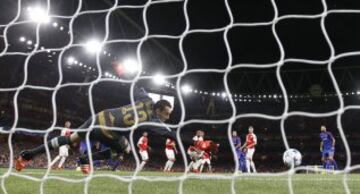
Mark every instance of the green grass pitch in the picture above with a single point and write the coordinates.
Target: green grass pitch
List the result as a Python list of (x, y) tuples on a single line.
[(302, 183)]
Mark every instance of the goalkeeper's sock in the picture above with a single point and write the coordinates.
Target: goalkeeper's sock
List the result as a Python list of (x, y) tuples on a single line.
[(52, 144)]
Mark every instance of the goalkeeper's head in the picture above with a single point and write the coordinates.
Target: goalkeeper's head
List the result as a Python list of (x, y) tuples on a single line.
[(162, 109)]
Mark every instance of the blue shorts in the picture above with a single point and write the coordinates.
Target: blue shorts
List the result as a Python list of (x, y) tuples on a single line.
[(328, 153)]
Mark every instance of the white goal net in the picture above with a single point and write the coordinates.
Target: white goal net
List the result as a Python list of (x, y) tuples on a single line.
[(56, 32)]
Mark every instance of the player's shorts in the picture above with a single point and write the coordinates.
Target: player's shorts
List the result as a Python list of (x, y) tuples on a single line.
[(63, 151), (195, 155), (117, 143), (250, 153), (206, 160), (328, 153), (144, 155), (170, 154)]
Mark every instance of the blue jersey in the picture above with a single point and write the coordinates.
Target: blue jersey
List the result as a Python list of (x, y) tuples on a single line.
[(327, 140), (236, 141), (242, 157)]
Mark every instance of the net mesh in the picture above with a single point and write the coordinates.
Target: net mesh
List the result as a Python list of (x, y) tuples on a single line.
[(278, 64)]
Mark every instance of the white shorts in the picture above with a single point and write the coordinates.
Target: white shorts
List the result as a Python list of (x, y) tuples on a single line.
[(206, 160), (250, 153), (63, 151), (170, 154), (195, 155), (144, 155)]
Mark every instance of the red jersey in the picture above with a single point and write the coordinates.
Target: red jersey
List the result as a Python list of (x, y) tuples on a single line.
[(143, 143), (251, 140), (203, 145), (206, 155), (65, 132), (170, 144)]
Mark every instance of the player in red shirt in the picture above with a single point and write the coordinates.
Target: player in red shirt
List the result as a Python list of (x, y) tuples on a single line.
[(251, 141), (206, 160), (63, 150), (143, 149), (197, 152), (170, 151)]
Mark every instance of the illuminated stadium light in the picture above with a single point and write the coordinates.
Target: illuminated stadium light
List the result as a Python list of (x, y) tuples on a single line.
[(213, 94), (275, 96), (106, 74), (42, 48), (200, 92), (218, 94), (76, 62), (55, 24), (223, 94), (131, 65), (104, 52), (358, 92), (22, 39), (159, 79), (70, 60), (93, 46), (186, 89), (38, 15), (195, 91), (80, 64), (29, 42), (206, 93), (61, 28), (264, 96)]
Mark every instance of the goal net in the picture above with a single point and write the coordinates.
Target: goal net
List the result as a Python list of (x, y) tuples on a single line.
[(285, 68)]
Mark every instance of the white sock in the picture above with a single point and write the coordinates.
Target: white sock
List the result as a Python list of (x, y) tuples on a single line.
[(248, 165), (61, 162), (55, 160), (167, 165), (196, 164), (190, 165), (253, 166), (142, 164), (171, 164), (201, 167)]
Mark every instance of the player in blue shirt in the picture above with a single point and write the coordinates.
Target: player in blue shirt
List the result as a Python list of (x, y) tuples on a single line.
[(327, 148), (240, 154)]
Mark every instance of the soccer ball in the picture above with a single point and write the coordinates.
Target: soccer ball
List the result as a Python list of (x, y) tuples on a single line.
[(292, 157)]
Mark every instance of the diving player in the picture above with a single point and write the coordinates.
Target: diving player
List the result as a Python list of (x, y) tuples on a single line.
[(124, 116)]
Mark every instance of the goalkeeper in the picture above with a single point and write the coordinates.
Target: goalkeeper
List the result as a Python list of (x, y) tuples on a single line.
[(124, 116)]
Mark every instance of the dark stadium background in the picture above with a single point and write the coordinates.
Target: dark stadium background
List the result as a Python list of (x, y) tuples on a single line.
[(309, 86)]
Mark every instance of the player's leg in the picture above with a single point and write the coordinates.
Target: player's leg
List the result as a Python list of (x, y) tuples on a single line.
[(64, 153), (332, 160), (171, 159), (144, 157), (252, 163), (54, 143), (209, 165), (55, 160), (118, 144), (202, 163), (63, 158), (248, 160)]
